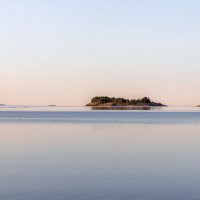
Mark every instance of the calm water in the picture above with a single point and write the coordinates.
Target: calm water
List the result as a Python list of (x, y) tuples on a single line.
[(86, 154)]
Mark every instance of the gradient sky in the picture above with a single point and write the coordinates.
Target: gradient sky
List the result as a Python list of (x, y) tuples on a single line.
[(66, 51)]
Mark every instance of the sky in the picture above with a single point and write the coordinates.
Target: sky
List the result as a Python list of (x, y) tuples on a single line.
[(64, 52)]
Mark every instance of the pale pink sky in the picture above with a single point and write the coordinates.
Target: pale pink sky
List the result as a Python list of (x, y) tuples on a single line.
[(66, 52)]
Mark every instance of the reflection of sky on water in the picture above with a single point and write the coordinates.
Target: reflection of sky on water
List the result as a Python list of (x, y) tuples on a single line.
[(99, 161), (99, 116), (88, 108)]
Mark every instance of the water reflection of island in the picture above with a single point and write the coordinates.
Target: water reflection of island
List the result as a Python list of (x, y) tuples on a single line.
[(125, 108)]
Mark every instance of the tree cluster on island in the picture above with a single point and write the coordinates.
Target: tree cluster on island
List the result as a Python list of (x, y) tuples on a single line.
[(112, 101)]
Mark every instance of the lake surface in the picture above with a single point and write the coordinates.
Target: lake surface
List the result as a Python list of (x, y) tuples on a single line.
[(80, 153)]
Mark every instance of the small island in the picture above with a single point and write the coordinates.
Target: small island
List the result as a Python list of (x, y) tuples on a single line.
[(112, 101)]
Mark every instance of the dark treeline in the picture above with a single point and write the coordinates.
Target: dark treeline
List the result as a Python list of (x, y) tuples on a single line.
[(113, 100)]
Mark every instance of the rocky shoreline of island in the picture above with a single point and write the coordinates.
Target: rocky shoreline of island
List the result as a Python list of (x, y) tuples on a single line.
[(112, 101)]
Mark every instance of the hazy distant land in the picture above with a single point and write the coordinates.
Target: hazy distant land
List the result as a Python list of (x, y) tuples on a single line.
[(112, 101)]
